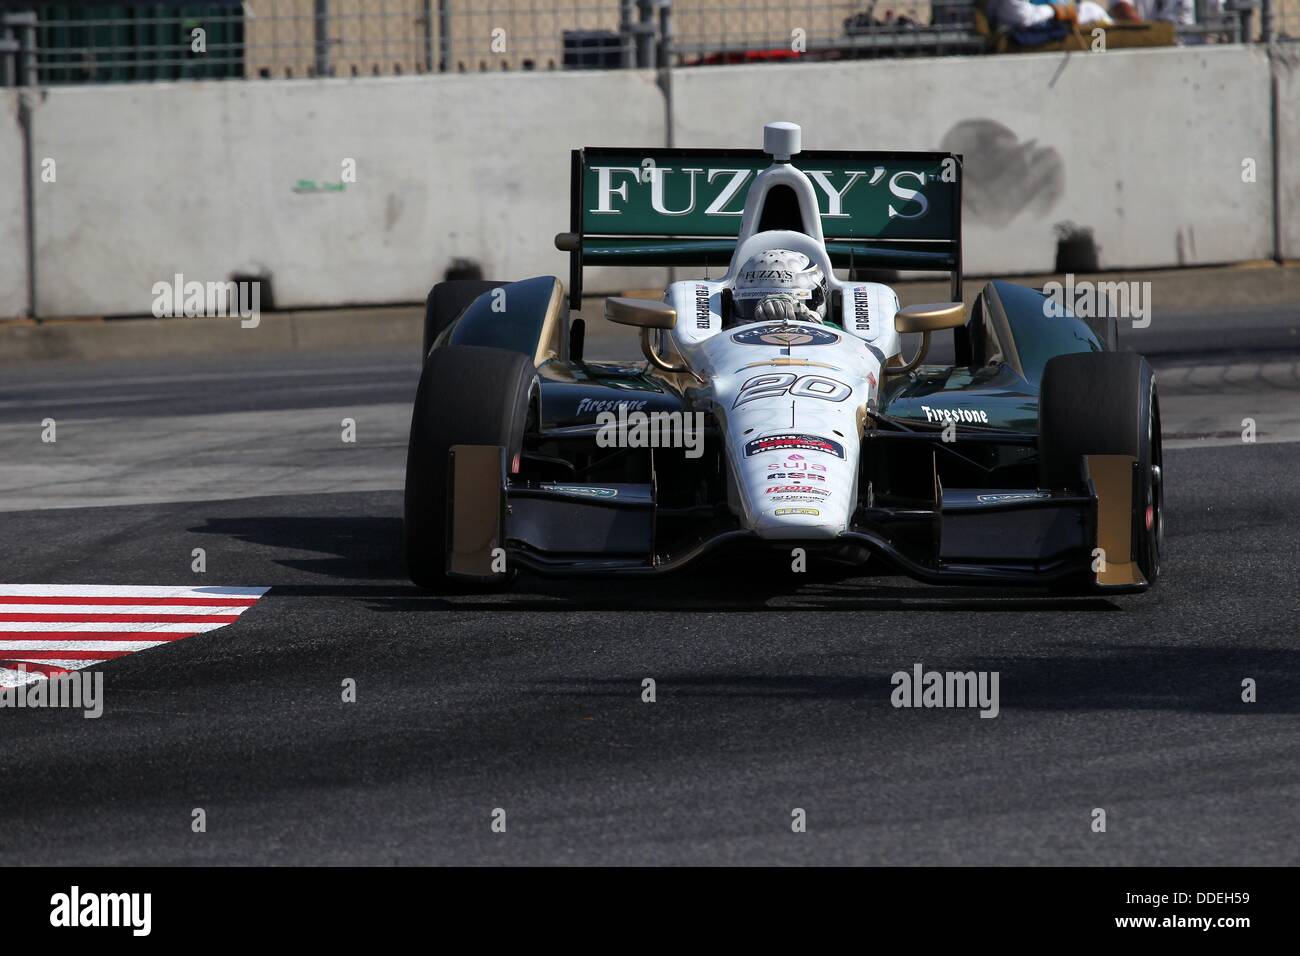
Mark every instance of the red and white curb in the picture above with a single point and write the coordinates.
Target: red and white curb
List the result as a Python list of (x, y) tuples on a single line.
[(50, 629)]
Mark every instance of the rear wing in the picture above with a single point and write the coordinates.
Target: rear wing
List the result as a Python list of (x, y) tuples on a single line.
[(671, 207)]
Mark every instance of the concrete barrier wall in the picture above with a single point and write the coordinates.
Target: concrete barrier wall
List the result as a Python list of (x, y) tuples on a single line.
[(218, 178), (1144, 147), (13, 237)]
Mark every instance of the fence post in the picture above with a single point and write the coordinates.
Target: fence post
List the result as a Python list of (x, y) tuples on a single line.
[(645, 40), (444, 36), (322, 28), (427, 18), (9, 56), (1266, 21), (626, 33), (19, 51)]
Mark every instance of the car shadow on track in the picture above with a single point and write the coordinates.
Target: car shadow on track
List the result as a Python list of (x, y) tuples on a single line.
[(358, 553), (723, 593), (363, 548), (1059, 676)]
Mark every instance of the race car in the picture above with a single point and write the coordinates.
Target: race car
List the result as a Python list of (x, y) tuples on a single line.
[(775, 408)]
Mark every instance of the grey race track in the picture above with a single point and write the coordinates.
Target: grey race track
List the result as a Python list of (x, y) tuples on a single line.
[(772, 694)]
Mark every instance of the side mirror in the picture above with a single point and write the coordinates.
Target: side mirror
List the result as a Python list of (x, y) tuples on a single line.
[(642, 313), (933, 317)]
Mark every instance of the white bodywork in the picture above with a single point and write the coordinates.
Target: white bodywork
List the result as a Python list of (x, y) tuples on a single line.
[(790, 399)]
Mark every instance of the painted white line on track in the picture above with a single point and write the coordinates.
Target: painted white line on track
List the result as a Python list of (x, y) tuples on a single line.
[(118, 590), (118, 609), (125, 625)]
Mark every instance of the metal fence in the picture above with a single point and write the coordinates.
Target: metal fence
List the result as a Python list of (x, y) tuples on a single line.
[(98, 41)]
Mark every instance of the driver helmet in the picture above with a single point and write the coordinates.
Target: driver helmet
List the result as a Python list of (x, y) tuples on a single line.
[(780, 285)]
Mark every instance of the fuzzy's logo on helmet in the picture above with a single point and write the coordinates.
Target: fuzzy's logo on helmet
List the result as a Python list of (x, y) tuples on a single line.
[(760, 275)]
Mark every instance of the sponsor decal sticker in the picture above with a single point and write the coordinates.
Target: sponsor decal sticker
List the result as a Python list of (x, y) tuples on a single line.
[(795, 475), (785, 335), (973, 415), (792, 441), (796, 463), (583, 490), (782, 512), (702, 317), (861, 311), (1012, 496), (590, 406), (796, 489)]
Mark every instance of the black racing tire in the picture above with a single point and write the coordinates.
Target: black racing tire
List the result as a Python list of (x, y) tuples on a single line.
[(1105, 403), (468, 395), (446, 301)]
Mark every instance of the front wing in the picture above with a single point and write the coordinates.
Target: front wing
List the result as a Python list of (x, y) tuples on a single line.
[(963, 536)]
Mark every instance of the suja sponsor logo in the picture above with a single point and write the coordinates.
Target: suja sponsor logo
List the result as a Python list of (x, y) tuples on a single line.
[(1087, 300), (721, 191), (922, 688), (634, 429), (77, 690), (796, 463), (75, 908), (955, 414), (241, 300), (589, 405)]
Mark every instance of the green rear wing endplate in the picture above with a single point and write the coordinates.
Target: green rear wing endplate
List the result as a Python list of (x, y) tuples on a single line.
[(683, 207)]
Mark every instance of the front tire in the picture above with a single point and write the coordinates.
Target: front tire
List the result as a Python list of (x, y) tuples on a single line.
[(468, 395), (1105, 403)]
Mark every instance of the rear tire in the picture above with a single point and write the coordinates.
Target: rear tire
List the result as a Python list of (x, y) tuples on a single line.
[(468, 395), (445, 303), (1105, 403)]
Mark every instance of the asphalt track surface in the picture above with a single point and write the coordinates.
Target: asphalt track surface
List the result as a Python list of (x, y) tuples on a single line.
[(773, 691)]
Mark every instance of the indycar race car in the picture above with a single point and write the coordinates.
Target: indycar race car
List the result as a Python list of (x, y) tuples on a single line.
[(775, 408)]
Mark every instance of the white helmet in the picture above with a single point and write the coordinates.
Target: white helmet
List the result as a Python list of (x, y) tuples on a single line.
[(780, 285)]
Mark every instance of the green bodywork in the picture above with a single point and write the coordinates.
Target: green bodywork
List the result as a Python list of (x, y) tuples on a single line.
[(1011, 335)]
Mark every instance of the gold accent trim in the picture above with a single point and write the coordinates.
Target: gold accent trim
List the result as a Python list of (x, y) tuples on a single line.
[(930, 317), (548, 341), (802, 363), (475, 509), (1112, 480), (640, 313)]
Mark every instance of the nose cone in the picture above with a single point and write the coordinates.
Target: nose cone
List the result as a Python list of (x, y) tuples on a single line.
[(798, 486), (790, 521)]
